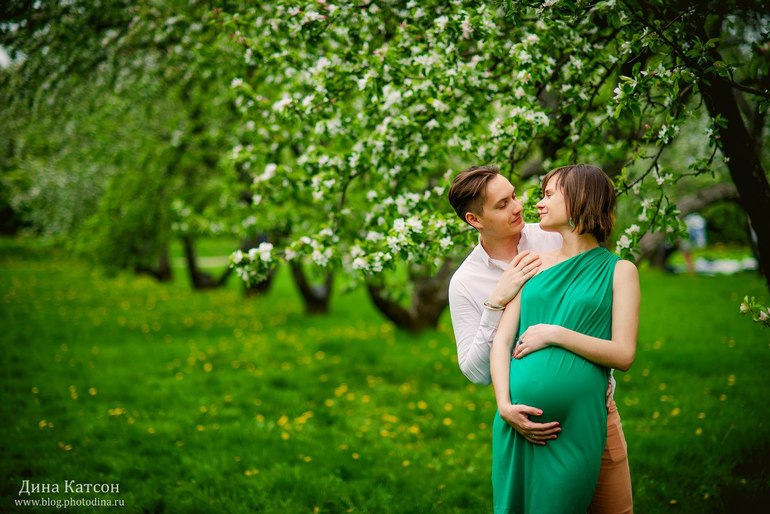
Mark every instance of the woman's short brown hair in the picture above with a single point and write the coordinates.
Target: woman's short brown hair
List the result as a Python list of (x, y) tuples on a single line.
[(469, 188), (590, 198)]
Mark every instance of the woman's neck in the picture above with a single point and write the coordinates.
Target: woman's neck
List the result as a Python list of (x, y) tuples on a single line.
[(574, 244)]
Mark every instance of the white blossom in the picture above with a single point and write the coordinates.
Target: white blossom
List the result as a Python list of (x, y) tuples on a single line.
[(623, 243)]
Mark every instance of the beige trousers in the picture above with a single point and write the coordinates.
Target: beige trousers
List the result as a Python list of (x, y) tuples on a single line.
[(613, 491)]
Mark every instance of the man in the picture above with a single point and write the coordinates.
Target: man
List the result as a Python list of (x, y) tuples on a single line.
[(489, 278)]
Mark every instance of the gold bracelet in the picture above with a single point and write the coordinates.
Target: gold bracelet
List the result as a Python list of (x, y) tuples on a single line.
[(493, 306)]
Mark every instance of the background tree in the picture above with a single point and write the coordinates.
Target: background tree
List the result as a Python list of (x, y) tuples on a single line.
[(397, 93), (126, 117)]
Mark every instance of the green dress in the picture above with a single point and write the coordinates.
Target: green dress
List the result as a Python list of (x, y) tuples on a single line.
[(560, 477)]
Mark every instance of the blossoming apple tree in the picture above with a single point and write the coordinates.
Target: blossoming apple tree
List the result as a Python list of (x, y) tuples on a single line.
[(357, 115)]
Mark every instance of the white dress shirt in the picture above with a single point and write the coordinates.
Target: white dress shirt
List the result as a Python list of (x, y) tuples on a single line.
[(474, 325)]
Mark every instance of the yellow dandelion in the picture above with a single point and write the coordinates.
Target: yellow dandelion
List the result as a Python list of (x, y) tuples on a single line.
[(389, 418), (662, 387), (447, 421), (405, 463), (283, 420), (208, 367), (342, 389), (92, 391), (35, 390), (366, 398), (448, 407), (324, 378), (646, 372), (285, 435), (701, 415), (722, 397), (414, 429), (150, 430), (355, 456), (307, 458), (329, 402), (655, 415), (675, 411), (471, 436), (698, 431), (731, 380), (200, 428), (43, 423), (422, 405), (179, 375)]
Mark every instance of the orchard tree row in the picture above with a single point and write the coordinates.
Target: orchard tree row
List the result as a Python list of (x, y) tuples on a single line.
[(324, 135)]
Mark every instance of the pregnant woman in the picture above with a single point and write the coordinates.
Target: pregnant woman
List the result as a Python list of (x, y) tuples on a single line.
[(574, 320)]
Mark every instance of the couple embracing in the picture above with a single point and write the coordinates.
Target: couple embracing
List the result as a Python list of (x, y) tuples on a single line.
[(548, 348)]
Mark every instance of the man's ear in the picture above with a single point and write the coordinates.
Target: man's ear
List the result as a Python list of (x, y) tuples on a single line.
[(473, 220)]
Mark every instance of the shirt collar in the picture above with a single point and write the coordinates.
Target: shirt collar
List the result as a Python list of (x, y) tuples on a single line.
[(489, 261)]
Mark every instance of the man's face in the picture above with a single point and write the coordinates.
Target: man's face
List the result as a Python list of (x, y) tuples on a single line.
[(501, 216)]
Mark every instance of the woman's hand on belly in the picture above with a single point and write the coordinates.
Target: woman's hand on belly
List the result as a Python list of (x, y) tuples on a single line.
[(518, 416), (535, 338)]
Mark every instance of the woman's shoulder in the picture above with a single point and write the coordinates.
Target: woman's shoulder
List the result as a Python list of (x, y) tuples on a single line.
[(626, 270), (549, 258)]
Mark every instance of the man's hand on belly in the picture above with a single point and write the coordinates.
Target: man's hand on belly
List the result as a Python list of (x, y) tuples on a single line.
[(518, 416)]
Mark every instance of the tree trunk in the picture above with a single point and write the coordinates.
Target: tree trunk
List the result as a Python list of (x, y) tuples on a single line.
[(163, 272), (744, 165), (430, 298), (199, 279), (316, 297)]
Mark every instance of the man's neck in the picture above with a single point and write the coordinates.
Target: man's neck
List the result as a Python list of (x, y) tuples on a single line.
[(503, 249)]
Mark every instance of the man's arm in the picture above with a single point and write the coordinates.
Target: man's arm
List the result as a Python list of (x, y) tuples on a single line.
[(474, 328), (475, 325)]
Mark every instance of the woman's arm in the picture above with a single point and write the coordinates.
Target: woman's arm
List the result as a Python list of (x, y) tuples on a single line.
[(620, 352), (517, 416), (500, 356)]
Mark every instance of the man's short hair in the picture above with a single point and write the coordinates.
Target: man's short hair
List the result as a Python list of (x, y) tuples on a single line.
[(469, 189), (590, 198)]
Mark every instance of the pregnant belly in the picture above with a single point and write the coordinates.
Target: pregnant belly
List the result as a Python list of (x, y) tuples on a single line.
[(556, 381)]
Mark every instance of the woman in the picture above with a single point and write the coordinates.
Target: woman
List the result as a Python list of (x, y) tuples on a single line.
[(574, 320)]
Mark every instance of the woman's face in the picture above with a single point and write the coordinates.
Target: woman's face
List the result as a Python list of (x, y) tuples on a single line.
[(553, 207)]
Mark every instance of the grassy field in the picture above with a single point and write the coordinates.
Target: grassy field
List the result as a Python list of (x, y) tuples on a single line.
[(209, 402)]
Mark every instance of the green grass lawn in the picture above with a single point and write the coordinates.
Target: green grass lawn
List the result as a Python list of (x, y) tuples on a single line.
[(209, 402)]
